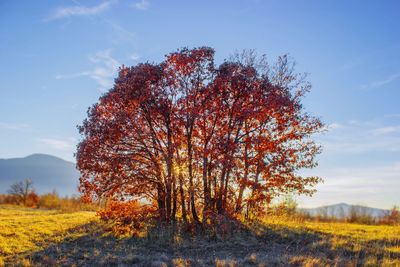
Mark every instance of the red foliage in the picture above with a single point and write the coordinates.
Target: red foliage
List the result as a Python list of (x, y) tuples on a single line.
[(129, 217), (192, 136), (32, 200), (393, 218)]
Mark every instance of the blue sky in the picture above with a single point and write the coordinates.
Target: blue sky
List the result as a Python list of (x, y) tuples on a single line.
[(58, 57)]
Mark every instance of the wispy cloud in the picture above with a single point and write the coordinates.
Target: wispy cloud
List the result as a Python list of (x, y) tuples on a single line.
[(393, 115), (67, 144), (331, 127), (359, 147), (134, 56), (380, 83), (142, 5), (385, 130), (354, 137), (79, 10), (103, 73), (120, 33), (13, 126), (350, 65)]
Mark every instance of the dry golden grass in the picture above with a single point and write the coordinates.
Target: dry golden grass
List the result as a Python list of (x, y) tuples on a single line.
[(369, 245), (35, 237), (24, 229)]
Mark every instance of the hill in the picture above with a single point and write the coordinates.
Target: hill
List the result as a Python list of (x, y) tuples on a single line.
[(343, 210), (47, 172)]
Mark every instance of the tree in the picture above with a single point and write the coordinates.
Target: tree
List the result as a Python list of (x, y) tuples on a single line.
[(194, 137), (24, 192)]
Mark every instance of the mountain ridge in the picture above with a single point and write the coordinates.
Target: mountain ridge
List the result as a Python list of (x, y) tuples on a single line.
[(342, 210), (47, 172)]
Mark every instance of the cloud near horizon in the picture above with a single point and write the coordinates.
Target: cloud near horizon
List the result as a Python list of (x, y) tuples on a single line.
[(357, 185), (367, 153), (67, 144)]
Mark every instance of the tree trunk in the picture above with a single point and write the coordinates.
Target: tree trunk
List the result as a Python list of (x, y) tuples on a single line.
[(182, 195), (220, 191), (240, 198), (174, 198), (243, 183), (169, 182), (190, 167), (225, 196), (161, 202), (206, 191)]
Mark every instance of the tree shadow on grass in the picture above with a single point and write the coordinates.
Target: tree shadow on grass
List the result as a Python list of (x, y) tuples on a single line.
[(255, 244), (318, 248)]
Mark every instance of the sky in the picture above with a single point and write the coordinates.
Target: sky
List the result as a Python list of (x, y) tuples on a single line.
[(58, 57)]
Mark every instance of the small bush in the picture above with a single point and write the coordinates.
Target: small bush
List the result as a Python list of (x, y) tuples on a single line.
[(360, 215), (50, 201), (131, 217), (32, 200), (393, 218)]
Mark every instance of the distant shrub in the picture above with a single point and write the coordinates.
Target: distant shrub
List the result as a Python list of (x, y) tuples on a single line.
[(8, 199), (74, 203), (130, 217), (393, 218), (50, 201), (287, 209), (32, 200), (360, 215), (66, 204)]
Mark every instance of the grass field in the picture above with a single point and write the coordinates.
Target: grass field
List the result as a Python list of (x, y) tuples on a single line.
[(24, 230), (48, 238)]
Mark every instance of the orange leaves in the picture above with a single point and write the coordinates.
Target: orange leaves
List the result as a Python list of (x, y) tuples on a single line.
[(130, 217), (186, 61), (32, 199)]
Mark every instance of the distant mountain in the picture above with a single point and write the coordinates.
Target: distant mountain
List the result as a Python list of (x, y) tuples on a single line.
[(47, 172), (343, 210)]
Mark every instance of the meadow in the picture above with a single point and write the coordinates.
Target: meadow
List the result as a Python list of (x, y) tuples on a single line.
[(32, 237)]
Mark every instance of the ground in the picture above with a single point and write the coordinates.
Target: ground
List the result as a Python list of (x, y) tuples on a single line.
[(49, 238)]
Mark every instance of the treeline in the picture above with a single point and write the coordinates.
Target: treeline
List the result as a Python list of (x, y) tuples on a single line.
[(289, 210), (24, 194), (358, 215)]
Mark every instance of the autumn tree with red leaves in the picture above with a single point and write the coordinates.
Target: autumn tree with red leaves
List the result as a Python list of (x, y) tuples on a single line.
[(192, 138)]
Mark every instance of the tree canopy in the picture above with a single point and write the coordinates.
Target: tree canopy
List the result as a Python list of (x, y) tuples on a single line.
[(191, 137)]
